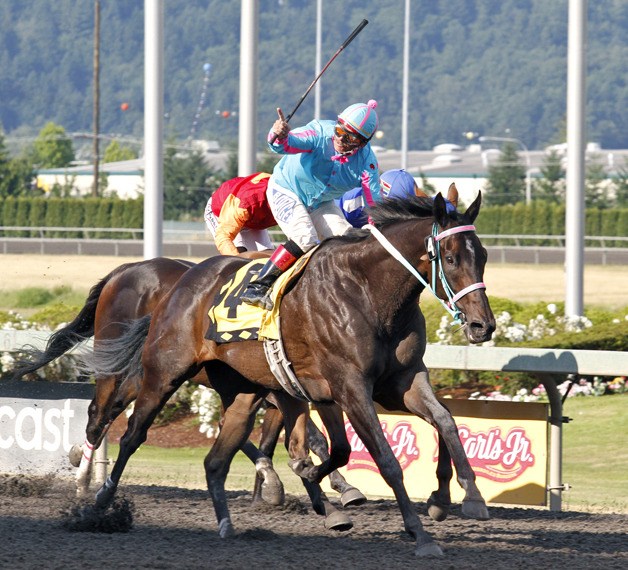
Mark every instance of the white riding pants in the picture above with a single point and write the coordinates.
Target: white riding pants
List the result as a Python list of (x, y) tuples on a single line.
[(252, 240), (305, 228)]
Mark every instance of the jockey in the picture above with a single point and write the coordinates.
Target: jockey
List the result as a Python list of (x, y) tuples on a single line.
[(323, 160), (238, 215), (395, 184)]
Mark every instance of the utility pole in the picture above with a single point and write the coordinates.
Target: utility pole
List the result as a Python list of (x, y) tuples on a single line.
[(96, 110)]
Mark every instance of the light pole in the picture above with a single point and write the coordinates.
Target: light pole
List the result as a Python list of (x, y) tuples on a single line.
[(527, 156)]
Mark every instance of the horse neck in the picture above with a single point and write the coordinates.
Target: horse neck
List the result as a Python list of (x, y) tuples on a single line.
[(392, 286)]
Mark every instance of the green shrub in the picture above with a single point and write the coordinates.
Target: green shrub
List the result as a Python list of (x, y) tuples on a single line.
[(37, 215), (33, 297), (55, 314), (9, 213), (22, 215)]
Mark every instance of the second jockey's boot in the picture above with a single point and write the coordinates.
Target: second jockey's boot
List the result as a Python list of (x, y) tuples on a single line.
[(256, 293)]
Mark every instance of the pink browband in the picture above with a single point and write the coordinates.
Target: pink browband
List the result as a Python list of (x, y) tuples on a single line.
[(466, 290), (452, 231)]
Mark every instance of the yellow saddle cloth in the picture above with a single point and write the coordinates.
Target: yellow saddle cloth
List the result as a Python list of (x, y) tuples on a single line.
[(231, 320)]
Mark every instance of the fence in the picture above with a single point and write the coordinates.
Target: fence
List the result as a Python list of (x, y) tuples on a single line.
[(189, 243), (547, 363)]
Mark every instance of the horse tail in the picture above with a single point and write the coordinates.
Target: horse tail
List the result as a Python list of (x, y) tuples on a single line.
[(78, 331), (121, 356)]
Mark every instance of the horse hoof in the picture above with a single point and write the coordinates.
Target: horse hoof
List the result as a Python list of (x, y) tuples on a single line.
[(428, 549), (475, 509), (352, 498), (75, 454), (225, 528), (338, 521), (273, 492), (437, 511)]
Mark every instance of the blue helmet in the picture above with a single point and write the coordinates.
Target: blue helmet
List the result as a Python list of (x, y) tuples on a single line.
[(398, 184), (361, 118)]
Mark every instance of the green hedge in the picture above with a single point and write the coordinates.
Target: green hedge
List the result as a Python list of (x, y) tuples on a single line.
[(71, 212), (540, 218), (544, 218)]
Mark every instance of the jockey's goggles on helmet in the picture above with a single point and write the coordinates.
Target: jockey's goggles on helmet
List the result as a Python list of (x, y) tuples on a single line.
[(344, 133)]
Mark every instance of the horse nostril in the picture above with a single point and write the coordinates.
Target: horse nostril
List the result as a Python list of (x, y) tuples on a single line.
[(482, 329)]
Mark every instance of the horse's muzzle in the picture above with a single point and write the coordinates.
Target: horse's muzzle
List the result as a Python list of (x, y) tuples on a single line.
[(480, 331)]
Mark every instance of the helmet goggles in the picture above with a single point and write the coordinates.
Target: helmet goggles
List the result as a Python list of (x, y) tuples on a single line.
[(346, 134)]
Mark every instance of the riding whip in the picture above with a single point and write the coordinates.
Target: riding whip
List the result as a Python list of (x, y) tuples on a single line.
[(354, 33)]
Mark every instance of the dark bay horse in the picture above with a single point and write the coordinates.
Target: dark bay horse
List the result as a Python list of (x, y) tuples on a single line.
[(354, 333), (131, 291)]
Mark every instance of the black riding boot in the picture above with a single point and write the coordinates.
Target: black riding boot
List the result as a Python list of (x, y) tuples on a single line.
[(256, 292)]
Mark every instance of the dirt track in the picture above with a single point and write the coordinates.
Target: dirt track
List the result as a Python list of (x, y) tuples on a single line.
[(603, 285), (175, 528)]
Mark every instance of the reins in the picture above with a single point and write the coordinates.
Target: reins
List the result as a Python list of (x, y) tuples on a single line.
[(432, 244)]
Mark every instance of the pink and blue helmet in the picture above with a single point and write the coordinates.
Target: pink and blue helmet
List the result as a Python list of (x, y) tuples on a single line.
[(361, 118)]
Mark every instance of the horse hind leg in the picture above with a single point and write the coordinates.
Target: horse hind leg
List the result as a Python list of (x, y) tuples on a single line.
[(109, 402), (238, 421), (268, 487), (439, 502)]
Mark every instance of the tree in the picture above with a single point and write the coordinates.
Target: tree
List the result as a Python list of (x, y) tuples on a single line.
[(621, 185), (185, 188), (595, 185), (117, 153), (551, 187), (506, 179), (16, 174), (53, 148)]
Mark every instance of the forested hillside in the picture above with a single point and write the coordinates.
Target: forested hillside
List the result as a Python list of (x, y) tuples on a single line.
[(476, 65)]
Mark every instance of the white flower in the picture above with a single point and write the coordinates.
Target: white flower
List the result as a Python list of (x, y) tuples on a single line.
[(552, 308)]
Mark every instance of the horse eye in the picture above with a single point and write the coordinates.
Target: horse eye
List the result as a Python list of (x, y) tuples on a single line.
[(449, 259)]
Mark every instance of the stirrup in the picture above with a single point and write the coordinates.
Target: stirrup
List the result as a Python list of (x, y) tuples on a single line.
[(259, 299)]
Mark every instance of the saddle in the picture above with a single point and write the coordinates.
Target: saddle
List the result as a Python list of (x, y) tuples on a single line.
[(231, 320)]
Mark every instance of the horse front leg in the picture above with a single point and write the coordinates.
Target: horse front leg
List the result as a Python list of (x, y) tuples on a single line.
[(419, 399), (296, 416), (349, 495), (361, 413)]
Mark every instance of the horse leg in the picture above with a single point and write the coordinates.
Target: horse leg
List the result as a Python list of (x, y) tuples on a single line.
[(238, 420), (110, 400), (296, 416), (150, 400), (349, 495), (361, 413), (418, 398), (268, 487)]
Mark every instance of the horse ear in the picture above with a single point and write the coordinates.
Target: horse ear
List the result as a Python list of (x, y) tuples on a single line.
[(440, 210), (418, 192), (452, 194), (474, 209)]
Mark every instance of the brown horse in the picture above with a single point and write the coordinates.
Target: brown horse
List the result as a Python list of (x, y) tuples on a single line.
[(354, 333), (131, 291)]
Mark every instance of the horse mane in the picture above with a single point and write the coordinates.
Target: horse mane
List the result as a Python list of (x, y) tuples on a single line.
[(390, 211)]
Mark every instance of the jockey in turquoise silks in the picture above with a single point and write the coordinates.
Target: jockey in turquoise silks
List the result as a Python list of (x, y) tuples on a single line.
[(323, 160)]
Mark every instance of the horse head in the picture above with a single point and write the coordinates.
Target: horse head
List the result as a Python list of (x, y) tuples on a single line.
[(462, 259)]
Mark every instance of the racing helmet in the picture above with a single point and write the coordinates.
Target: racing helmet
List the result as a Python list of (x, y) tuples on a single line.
[(398, 184), (361, 118)]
